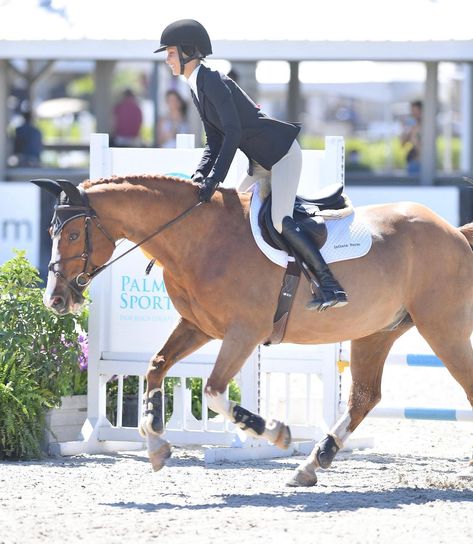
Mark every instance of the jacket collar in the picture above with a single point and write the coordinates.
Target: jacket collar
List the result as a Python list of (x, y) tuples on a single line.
[(200, 80), (192, 81)]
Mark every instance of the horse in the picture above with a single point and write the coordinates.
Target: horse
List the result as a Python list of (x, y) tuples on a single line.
[(418, 272)]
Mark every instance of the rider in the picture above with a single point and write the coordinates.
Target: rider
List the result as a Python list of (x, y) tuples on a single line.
[(231, 121)]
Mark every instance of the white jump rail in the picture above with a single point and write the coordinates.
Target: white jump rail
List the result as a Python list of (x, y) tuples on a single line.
[(422, 360), (131, 316), (412, 360)]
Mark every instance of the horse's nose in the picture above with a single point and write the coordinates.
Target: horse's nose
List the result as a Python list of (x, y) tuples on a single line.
[(58, 303)]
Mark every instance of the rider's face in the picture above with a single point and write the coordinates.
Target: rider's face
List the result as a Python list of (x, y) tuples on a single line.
[(172, 60)]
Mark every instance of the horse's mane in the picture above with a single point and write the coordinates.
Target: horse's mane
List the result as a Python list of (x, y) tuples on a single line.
[(146, 180)]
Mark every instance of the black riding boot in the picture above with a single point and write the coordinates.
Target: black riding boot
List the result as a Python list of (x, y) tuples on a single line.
[(332, 294)]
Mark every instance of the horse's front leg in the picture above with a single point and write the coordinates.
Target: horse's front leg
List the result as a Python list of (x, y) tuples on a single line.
[(237, 346), (185, 339)]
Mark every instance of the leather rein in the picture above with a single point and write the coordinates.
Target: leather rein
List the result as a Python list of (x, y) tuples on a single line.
[(63, 213)]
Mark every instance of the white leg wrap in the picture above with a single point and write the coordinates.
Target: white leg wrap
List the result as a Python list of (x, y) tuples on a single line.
[(218, 403), (340, 434), (340, 431)]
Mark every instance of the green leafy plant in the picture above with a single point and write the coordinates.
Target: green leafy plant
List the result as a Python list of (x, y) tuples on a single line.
[(373, 154), (22, 407), (38, 358)]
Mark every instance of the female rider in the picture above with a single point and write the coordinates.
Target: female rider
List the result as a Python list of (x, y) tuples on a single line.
[(233, 121)]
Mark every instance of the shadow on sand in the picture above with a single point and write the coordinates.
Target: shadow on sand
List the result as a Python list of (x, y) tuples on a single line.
[(317, 501)]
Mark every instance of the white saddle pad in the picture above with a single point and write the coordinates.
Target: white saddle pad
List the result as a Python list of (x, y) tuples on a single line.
[(347, 238)]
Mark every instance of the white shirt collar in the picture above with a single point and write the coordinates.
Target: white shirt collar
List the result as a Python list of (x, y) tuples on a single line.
[(192, 81)]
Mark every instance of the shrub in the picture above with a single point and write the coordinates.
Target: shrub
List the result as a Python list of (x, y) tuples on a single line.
[(38, 358), (385, 155), (22, 407)]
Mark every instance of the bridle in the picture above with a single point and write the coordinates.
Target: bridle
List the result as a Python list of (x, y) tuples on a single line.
[(64, 213)]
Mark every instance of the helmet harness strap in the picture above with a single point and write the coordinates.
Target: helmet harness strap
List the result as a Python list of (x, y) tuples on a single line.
[(185, 60)]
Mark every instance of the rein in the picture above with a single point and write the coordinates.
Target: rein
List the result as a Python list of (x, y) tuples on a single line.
[(82, 280), (155, 233)]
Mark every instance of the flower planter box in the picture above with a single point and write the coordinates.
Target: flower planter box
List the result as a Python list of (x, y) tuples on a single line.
[(64, 424)]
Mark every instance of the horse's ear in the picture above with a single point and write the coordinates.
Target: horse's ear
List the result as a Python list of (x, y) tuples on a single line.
[(48, 184), (71, 191)]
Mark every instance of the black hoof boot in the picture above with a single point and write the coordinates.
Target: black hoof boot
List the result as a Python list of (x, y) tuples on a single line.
[(154, 410), (326, 452)]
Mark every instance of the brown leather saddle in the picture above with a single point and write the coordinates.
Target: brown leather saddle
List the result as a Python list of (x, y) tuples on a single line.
[(307, 214)]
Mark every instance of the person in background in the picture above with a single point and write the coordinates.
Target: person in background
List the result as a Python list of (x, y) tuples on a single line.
[(233, 121), (28, 142), (127, 121), (175, 120), (411, 138)]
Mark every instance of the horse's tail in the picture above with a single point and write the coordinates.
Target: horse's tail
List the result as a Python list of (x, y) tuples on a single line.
[(467, 231)]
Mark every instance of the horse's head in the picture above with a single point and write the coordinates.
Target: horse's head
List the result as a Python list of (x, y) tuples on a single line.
[(81, 246)]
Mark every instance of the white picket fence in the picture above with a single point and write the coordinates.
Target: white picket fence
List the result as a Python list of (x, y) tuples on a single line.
[(131, 317)]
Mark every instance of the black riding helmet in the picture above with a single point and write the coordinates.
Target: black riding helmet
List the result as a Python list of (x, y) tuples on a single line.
[(190, 38)]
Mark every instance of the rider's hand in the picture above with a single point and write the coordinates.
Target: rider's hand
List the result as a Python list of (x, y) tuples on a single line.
[(207, 189), (198, 177)]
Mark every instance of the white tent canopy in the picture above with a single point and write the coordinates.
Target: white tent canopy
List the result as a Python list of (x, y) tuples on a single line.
[(302, 30)]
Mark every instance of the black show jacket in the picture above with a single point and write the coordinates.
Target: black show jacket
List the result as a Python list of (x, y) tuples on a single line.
[(233, 121)]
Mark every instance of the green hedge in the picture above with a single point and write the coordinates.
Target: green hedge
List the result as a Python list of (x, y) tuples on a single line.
[(38, 358), (373, 155)]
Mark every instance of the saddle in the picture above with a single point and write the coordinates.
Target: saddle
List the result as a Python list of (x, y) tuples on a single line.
[(310, 214)]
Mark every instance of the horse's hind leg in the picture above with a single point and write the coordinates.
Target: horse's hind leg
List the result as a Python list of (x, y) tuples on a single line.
[(184, 340), (366, 364), (452, 345), (455, 352)]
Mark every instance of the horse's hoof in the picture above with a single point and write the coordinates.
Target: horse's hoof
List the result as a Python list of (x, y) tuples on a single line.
[(159, 457), (283, 438), (302, 478)]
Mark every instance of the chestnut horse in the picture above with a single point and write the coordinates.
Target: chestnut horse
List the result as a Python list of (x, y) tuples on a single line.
[(419, 272)]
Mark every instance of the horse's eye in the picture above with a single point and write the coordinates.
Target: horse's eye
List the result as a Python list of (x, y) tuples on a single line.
[(73, 236)]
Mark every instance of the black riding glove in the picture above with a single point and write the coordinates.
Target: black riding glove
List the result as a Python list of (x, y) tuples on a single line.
[(207, 189), (198, 177)]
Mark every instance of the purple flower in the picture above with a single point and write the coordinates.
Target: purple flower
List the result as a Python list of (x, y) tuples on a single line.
[(84, 352), (82, 363)]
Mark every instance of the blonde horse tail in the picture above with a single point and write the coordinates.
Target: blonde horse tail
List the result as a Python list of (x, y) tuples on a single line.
[(467, 231)]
